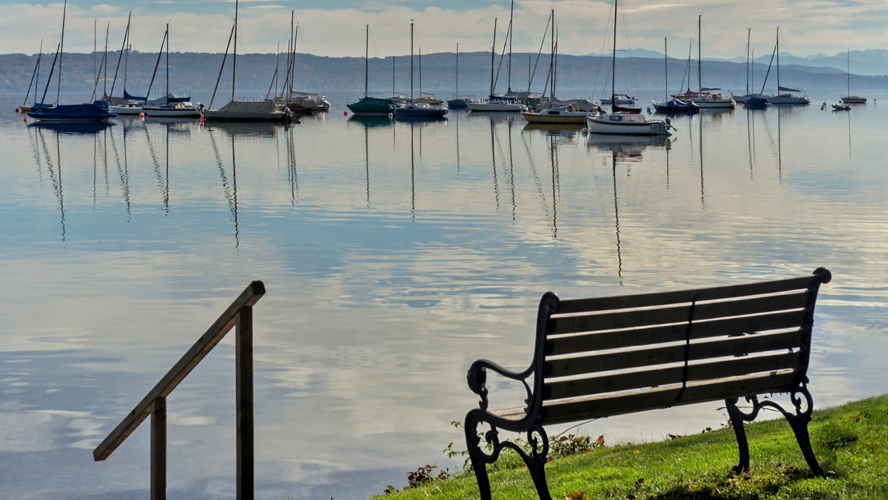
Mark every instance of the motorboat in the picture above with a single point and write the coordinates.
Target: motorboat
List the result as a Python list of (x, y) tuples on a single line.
[(565, 114), (72, 113), (841, 107), (459, 102)]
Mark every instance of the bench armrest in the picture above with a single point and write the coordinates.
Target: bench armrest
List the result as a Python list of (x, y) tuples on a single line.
[(477, 379)]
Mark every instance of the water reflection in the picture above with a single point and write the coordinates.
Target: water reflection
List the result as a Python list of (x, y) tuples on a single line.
[(588, 218)]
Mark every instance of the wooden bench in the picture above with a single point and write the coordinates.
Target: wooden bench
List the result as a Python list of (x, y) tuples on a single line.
[(599, 357)]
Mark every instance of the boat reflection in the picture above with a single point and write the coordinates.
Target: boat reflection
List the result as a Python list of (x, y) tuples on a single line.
[(371, 121), (262, 129), (86, 128)]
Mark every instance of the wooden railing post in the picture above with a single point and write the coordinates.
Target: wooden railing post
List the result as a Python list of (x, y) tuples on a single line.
[(158, 449), (243, 342)]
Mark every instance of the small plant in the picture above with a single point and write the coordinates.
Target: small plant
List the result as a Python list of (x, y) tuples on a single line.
[(424, 475)]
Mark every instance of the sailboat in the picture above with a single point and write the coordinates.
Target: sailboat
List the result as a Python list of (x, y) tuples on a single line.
[(704, 98), (171, 109), (673, 105), (412, 109), (68, 112), (126, 106), (623, 121), (496, 102), (35, 78), (786, 98), (851, 99), (756, 98), (371, 106), (458, 101), (235, 110)]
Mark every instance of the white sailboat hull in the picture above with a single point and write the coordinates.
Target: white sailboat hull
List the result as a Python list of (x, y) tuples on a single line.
[(260, 111), (625, 124), (496, 106), (847, 100), (125, 110)]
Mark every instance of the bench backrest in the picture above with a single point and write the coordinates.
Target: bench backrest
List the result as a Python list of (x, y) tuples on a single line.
[(611, 355)]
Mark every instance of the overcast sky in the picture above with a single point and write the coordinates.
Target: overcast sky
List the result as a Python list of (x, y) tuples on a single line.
[(336, 27)]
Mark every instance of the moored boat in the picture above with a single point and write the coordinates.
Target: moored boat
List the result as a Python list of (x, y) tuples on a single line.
[(851, 99), (414, 109), (499, 106), (371, 106), (788, 96), (555, 115)]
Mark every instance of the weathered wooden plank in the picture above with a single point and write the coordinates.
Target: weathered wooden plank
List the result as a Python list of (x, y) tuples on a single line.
[(554, 412), (672, 333), (159, 449), (180, 370), (665, 376), (735, 346), (510, 413), (243, 345), (569, 306), (678, 314)]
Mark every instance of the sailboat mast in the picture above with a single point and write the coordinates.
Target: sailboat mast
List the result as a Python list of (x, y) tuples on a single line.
[(366, 60), (492, 55), (293, 65), (748, 40), (457, 72), (105, 59), (555, 65), (552, 56), (420, 72), (849, 72), (393, 76), (120, 56), (778, 60), (234, 53), (37, 74), (666, 67), (61, 53), (167, 36), (511, 16), (126, 58), (700, 53), (411, 60), (613, 60)]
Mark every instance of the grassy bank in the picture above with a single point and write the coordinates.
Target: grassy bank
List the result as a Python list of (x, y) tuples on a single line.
[(851, 440)]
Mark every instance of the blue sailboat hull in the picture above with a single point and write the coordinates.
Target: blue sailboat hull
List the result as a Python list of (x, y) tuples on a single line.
[(72, 113)]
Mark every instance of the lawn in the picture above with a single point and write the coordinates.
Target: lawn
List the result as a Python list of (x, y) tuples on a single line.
[(851, 440)]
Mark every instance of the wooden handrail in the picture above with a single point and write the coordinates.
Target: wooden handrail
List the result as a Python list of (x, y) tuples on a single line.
[(239, 313)]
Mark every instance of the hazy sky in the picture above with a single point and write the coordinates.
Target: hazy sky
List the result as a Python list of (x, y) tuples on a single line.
[(336, 27)]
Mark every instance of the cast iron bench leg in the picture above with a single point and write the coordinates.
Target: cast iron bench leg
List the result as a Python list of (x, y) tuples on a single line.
[(737, 423)]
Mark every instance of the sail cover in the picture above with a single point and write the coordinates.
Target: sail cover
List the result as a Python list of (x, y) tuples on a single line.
[(130, 97), (787, 89)]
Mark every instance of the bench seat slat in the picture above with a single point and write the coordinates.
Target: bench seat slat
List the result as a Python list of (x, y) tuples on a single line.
[(677, 314), (664, 376), (735, 346), (511, 413), (672, 333), (665, 397), (570, 306)]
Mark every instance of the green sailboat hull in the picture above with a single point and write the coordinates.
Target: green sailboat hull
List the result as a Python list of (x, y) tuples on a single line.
[(373, 106)]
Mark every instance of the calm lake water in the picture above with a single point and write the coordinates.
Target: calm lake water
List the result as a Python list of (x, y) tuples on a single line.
[(394, 254)]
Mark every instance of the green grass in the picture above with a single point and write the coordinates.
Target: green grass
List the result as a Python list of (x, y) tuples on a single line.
[(851, 440)]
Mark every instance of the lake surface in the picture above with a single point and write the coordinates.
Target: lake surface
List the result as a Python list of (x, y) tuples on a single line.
[(394, 254)]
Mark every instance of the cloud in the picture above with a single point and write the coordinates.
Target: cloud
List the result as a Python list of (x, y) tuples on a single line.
[(807, 26)]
